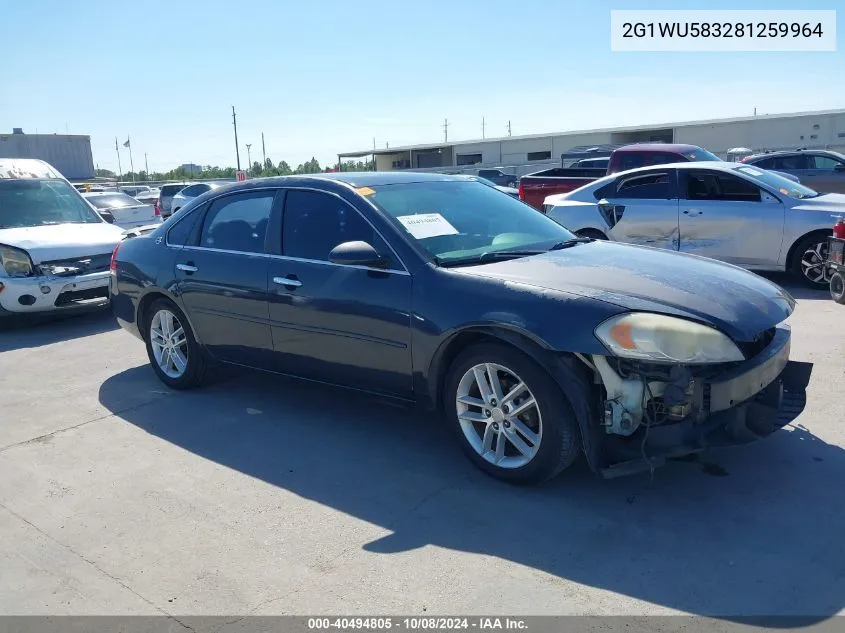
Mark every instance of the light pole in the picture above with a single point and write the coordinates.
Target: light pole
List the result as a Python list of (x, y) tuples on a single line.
[(248, 157)]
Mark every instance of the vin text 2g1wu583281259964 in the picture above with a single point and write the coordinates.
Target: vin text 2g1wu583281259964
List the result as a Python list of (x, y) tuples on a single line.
[(535, 344)]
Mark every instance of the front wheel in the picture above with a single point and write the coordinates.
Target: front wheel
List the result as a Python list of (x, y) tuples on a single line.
[(173, 351), (809, 262), (837, 287), (512, 420)]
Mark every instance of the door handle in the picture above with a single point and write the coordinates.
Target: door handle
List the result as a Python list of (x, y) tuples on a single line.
[(188, 268), (693, 212), (287, 281)]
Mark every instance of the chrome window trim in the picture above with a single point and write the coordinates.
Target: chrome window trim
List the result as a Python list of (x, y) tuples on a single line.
[(303, 260)]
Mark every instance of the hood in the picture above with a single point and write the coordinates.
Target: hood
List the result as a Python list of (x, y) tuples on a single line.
[(63, 241), (736, 301), (833, 202)]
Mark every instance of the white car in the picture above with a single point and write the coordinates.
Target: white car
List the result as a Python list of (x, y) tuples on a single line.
[(123, 210), (55, 250), (732, 212), (189, 193)]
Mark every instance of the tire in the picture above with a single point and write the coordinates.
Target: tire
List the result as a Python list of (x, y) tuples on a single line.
[(554, 429), (593, 233), (818, 245), (837, 287), (195, 363)]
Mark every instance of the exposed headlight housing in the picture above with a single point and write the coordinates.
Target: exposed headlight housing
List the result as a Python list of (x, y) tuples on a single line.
[(16, 262), (659, 338)]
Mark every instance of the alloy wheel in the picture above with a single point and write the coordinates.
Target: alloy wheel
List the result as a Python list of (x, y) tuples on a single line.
[(814, 263), (499, 415), (169, 343)]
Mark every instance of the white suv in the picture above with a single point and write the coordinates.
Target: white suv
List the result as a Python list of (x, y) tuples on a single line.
[(55, 250)]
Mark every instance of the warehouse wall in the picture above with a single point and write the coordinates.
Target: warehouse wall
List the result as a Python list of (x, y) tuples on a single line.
[(70, 154)]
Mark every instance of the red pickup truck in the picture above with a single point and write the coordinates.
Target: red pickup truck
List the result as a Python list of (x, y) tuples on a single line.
[(533, 188)]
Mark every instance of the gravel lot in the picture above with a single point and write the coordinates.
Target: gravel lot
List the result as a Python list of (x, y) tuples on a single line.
[(260, 495)]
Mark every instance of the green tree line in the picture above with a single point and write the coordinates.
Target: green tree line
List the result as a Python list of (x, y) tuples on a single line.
[(257, 170)]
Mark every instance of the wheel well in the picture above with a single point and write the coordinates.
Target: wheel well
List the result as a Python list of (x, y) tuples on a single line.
[(144, 304), (594, 233), (464, 339), (791, 252)]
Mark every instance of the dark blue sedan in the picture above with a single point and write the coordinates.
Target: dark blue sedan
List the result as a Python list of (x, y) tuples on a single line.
[(535, 345)]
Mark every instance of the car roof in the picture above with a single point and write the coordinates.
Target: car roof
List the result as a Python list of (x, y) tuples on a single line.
[(658, 147), (366, 178), (18, 168), (104, 193), (791, 152)]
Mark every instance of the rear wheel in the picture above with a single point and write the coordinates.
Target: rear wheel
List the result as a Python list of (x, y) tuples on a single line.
[(809, 261), (837, 287), (512, 420), (173, 351)]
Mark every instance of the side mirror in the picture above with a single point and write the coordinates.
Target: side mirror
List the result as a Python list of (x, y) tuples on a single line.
[(839, 167), (107, 216), (356, 254)]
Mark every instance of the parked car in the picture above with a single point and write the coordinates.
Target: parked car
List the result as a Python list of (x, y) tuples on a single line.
[(514, 193), (133, 190), (821, 170), (123, 210), (592, 163), (729, 211), (166, 197), (153, 197), (535, 344), (54, 248), (534, 188), (181, 198), (498, 177)]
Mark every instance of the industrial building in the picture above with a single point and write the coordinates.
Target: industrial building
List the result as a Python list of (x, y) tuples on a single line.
[(524, 154), (68, 153)]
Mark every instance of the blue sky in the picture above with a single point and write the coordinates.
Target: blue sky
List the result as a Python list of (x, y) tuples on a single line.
[(323, 77)]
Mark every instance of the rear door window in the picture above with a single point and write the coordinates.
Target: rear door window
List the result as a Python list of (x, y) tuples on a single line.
[(652, 185), (789, 163), (823, 163), (238, 222)]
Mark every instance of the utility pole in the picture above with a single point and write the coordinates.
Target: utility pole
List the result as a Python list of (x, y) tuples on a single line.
[(146, 167), (445, 130), (263, 152), (237, 151), (248, 156), (119, 168), (482, 128), (374, 142), (509, 128), (755, 110)]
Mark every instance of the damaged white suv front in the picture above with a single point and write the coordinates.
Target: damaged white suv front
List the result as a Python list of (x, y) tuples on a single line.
[(55, 250)]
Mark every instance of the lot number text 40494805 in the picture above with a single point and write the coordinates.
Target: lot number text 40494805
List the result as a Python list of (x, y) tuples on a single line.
[(416, 623), (718, 30)]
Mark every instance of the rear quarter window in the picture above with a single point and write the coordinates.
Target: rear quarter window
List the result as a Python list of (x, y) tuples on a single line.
[(183, 227)]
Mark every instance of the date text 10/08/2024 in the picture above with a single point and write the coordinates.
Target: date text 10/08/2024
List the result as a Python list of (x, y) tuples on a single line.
[(424, 623)]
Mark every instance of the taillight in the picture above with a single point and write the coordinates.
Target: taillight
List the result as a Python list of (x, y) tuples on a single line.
[(157, 208), (113, 262), (521, 192)]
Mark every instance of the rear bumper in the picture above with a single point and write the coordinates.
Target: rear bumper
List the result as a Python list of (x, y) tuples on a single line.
[(738, 407), (52, 294)]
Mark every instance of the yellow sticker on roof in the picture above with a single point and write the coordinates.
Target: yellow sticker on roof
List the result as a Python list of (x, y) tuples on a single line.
[(365, 191)]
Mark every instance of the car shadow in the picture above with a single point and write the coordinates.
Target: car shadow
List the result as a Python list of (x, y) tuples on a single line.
[(796, 288), (746, 532), (35, 330)]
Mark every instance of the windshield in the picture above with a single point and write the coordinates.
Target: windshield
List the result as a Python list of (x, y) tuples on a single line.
[(457, 220), (111, 201), (27, 202), (782, 185), (701, 154)]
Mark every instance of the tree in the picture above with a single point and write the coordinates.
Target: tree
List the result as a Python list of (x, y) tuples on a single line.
[(284, 169), (268, 164), (104, 173), (256, 168)]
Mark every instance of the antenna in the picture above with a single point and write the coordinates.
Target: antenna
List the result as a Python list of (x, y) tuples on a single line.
[(445, 130)]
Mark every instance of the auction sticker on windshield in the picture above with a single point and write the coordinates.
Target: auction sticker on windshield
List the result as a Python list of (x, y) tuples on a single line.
[(423, 225)]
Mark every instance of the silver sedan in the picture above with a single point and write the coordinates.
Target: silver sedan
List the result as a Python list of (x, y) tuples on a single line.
[(733, 212)]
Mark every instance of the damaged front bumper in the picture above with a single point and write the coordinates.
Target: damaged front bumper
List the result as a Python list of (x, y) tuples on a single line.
[(738, 406)]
